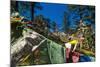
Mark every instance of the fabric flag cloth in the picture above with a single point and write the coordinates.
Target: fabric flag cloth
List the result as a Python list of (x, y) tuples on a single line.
[(85, 58), (56, 52)]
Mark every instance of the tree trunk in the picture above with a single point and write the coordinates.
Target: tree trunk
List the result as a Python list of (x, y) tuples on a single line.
[(16, 6), (32, 11)]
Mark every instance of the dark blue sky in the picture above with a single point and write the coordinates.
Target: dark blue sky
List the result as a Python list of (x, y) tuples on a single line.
[(54, 12)]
